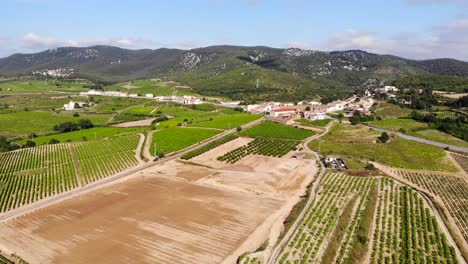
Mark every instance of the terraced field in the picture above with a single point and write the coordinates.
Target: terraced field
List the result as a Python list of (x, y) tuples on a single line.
[(28, 175), (339, 206), (406, 230)]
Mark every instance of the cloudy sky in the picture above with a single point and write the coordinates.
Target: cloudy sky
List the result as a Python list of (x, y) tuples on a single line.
[(419, 29)]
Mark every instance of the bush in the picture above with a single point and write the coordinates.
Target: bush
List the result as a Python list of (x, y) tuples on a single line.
[(29, 144), (76, 115), (384, 137), (66, 127), (54, 141), (85, 123), (239, 129)]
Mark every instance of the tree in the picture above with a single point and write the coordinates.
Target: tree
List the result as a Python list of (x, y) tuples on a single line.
[(369, 166), (76, 115), (239, 129), (340, 116), (85, 123), (54, 141), (307, 108), (384, 137), (66, 127), (29, 144)]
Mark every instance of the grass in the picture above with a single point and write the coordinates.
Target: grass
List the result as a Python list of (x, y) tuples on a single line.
[(89, 134), (357, 144), (387, 110), (225, 121), (418, 129), (139, 110), (177, 138), (41, 122), (270, 129), (37, 86), (314, 123)]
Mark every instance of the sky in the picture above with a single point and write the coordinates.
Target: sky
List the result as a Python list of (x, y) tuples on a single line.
[(416, 29)]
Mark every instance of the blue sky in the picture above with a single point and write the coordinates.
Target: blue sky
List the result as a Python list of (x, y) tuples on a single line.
[(418, 29)]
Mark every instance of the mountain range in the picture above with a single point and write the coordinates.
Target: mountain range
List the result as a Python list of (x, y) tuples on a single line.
[(233, 71)]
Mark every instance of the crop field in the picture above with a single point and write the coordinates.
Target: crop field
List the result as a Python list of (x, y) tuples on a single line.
[(253, 260), (32, 174), (315, 123), (85, 134), (418, 129), (453, 191), (265, 147), (406, 230), (39, 122), (447, 114), (387, 110), (28, 175), (357, 145), (462, 160), (209, 147), (101, 158), (339, 207), (224, 121), (38, 86), (268, 129), (177, 138), (140, 110)]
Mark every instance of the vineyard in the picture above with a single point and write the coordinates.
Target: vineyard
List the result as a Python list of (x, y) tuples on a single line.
[(208, 147), (269, 129), (265, 147), (406, 230), (447, 114), (452, 190), (29, 175), (102, 158), (340, 206), (462, 160), (253, 260)]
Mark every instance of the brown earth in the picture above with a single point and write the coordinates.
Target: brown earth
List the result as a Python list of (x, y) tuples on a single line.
[(174, 212)]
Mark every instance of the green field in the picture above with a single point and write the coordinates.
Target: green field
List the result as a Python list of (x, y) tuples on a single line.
[(90, 134), (387, 110), (39, 122), (314, 123), (28, 175), (157, 88), (177, 138), (418, 129), (225, 121), (270, 129), (139, 110), (357, 144), (38, 86)]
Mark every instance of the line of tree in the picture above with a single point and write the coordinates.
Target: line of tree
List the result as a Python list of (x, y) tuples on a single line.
[(72, 126), (457, 127)]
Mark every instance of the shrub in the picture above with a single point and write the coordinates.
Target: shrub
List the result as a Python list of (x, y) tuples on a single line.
[(54, 141)]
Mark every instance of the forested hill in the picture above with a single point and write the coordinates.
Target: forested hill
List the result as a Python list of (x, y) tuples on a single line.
[(233, 71)]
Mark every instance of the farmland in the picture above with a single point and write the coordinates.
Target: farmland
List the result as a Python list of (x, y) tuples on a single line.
[(418, 129), (177, 138), (39, 122), (39, 86), (208, 147), (453, 191), (315, 123), (340, 204), (28, 175), (268, 129), (358, 144), (265, 147), (224, 121), (406, 229)]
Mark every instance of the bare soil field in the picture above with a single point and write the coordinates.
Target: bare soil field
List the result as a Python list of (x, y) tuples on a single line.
[(139, 123), (175, 212)]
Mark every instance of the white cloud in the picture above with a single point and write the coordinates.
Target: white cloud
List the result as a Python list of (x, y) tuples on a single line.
[(443, 41)]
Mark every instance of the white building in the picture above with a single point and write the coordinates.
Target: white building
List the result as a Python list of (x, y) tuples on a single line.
[(149, 95), (315, 103), (283, 112), (74, 105)]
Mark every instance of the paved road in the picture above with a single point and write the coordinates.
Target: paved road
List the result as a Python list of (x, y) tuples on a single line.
[(422, 140), (276, 251), (60, 197)]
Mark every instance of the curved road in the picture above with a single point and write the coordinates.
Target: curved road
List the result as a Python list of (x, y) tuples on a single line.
[(66, 195), (421, 140), (276, 251)]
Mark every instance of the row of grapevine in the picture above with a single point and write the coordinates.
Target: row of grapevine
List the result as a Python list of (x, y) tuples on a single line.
[(259, 146), (101, 158), (406, 231), (29, 175), (462, 160), (452, 190), (447, 114), (308, 242), (209, 147), (251, 260)]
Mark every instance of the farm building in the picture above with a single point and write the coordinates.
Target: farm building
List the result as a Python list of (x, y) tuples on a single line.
[(74, 105), (287, 112)]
